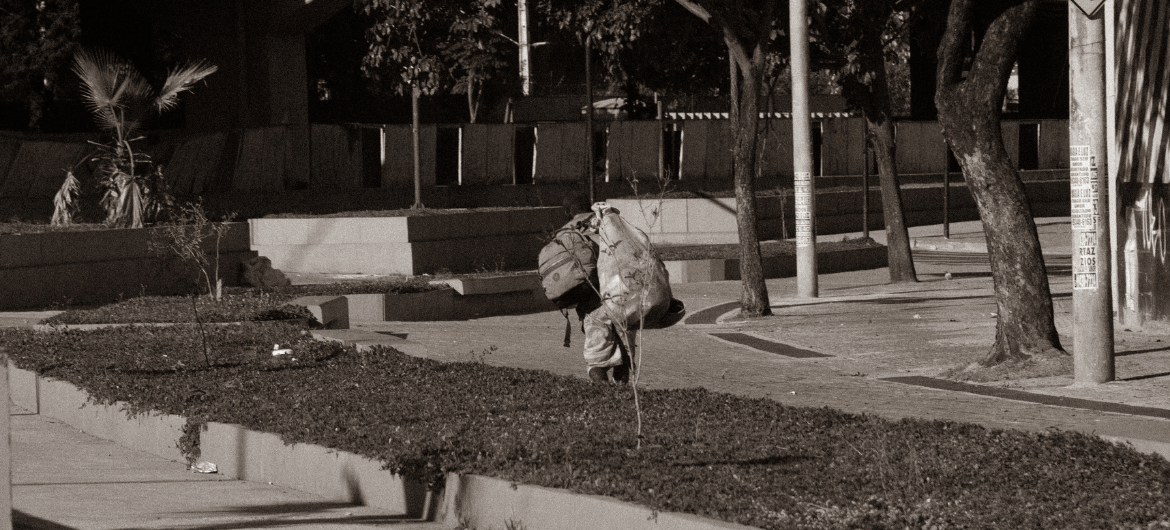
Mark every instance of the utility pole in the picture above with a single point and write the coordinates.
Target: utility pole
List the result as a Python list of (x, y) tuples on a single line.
[(414, 94), (589, 116), (804, 195), (1089, 187), (525, 47)]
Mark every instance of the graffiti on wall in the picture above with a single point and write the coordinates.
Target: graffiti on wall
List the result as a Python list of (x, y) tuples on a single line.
[(1147, 230)]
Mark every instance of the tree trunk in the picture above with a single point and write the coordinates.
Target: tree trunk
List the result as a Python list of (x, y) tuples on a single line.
[(746, 71), (472, 104), (881, 131), (754, 296), (897, 238), (969, 113)]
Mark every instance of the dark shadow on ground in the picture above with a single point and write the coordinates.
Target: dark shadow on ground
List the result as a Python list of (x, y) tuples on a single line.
[(280, 514), (1138, 352), (1147, 376), (24, 521)]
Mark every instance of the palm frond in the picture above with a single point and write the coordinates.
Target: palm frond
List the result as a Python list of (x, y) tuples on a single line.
[(181, 79), (109, 85), (64, 202), (99, 84), (131, 205)]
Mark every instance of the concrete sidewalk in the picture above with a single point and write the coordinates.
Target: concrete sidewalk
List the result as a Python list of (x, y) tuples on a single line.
[(65, 479), (877, 346)]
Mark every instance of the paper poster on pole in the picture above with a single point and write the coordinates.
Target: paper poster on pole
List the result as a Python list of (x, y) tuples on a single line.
[(1085, 215), (1083, 190), (1085, 260), (802, 199)]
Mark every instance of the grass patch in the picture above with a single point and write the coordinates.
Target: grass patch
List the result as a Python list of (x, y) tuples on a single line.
[(28, 227), (749, 461), (238, 305), (1036, 366)]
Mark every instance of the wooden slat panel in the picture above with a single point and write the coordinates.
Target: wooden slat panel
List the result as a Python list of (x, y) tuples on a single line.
[(501, 153), (720, 142), (194, 163), (39, 168), (842, 146), (560, 152), (921, 147), (398, 166), (261, 160), (633, 150), (693, 153), (336, 158), (775, 149), (473, 153)]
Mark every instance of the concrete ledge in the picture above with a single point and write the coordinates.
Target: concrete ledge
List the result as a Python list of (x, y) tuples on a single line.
[(331, 311), (337, 476), (468, 298), (713, 270), (483, 502), (341, 476), (458, 241), (149, 432), (99, 266), (493, 284), (22, 388)]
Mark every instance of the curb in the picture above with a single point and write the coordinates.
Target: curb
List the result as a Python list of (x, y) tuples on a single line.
[(949, 245), (341, 476)]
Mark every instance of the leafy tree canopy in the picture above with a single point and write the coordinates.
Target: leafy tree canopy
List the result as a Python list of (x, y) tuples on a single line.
[(436, 44), (37, 41)]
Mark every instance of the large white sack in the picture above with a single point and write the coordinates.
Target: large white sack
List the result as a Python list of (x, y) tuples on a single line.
[(634, 284)]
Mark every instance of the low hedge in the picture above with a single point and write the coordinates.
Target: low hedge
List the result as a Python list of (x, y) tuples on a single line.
[(750, 461)]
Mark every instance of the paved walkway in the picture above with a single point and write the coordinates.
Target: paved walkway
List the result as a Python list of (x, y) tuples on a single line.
[(876, 344)]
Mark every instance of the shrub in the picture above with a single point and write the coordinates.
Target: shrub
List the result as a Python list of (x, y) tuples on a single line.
[(750, 461)]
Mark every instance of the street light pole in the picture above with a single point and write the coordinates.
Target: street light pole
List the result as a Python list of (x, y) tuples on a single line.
[(414, 94), (804, 195), (525, 47), (1089, 192), (589, 117)]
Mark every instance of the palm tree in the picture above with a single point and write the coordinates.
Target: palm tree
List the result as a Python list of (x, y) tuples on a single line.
[(121, 99)]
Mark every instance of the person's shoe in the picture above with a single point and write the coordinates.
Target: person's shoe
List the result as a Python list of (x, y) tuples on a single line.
[(621, 374), (599, 374)]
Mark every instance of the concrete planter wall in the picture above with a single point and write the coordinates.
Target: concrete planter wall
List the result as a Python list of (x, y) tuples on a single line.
[(100, 266), (696, 221), (713, 270), (339, 476), (457, 241), (465, 299)]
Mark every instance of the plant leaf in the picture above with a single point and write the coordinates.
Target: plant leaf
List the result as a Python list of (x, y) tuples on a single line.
[(181, 79)]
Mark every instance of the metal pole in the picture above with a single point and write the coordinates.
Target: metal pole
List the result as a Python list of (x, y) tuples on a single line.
[(1111, 127), (804, 193), (1089, 181), (589, 118), (865, 194), (525, 47), (414, 93), (946, 191), (661, 142)]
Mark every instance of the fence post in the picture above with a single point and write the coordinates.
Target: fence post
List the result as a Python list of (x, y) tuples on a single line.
[(5, 448), (946, 191), (865, 193)]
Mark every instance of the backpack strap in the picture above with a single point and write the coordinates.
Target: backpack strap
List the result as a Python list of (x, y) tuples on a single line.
[(568, 327)]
